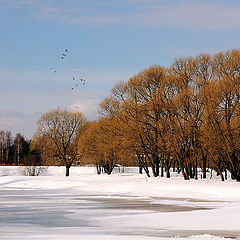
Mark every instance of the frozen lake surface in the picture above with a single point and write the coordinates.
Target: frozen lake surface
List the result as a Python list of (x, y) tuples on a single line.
[(121, 206)]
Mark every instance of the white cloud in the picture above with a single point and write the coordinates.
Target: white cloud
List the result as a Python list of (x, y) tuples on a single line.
[(88, 107)]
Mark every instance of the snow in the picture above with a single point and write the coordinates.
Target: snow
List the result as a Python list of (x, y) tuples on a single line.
[(126, 206)]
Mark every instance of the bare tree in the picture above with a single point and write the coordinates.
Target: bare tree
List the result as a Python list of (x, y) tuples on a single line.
[(61, 127), (8, 144), (18, 145), (2, 143)]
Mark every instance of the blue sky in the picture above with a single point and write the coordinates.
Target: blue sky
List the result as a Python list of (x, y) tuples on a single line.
[(107, 41)]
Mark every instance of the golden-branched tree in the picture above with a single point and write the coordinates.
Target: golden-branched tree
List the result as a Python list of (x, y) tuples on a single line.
[(140, 109), (102, 146), (46, 150), (190, 76), (60, 128), (222, 114)]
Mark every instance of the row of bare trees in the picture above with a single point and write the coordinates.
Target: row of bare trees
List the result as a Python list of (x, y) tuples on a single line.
[(15, 150), (186, 117)]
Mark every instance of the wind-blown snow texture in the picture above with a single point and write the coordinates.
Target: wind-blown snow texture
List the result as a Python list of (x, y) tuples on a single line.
[(120, 206)]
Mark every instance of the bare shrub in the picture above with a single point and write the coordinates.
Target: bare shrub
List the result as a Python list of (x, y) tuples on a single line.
[(33, 170)]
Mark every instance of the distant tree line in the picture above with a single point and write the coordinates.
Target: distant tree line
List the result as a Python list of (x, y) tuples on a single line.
[(16, 150)]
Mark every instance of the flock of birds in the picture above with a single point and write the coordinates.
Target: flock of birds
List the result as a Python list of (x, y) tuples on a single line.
[(76, 81)]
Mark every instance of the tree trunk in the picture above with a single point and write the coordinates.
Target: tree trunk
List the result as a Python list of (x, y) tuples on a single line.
[(191, 170), (235, 176), (225, 171), (173, 166), (185, 174), (220, 173), (162, 171), (196, 171), (67, 170), (147, 171), (168, 172), (157, 163), (204, 168), (98, 166), (108, 168)]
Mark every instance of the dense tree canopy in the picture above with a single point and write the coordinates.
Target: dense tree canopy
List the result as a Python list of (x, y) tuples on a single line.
[(186, 115)]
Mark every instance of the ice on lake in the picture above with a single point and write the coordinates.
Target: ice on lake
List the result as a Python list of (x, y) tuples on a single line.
[(121, 206)]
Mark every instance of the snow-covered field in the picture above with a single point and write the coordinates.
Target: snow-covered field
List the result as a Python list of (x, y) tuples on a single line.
[(120, 206)]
